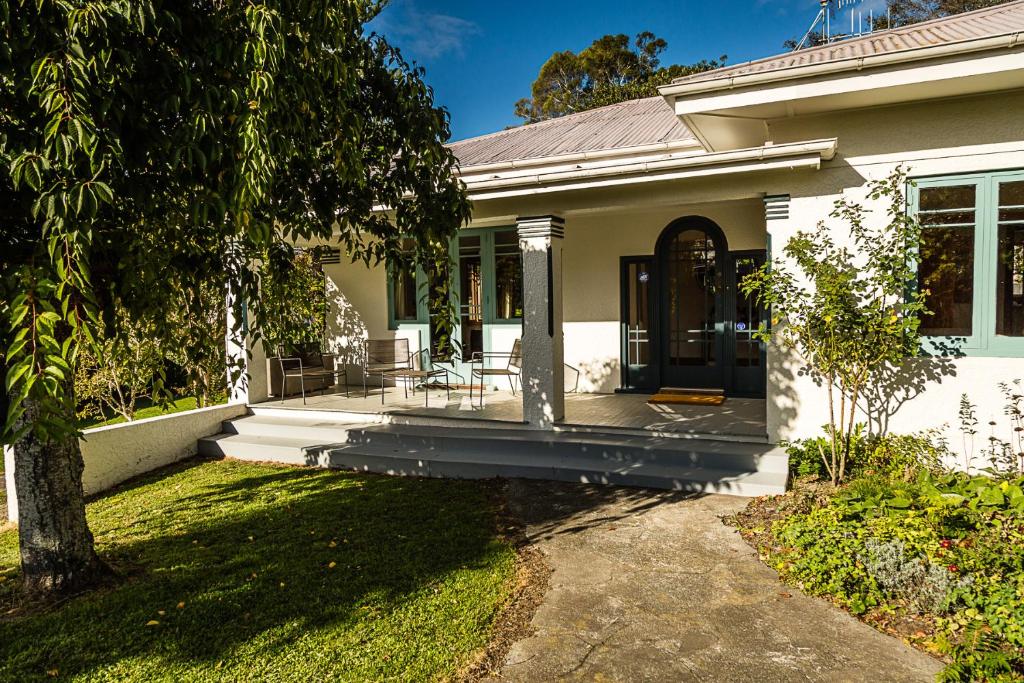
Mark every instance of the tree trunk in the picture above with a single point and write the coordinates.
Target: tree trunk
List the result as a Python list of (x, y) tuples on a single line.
[(57, 554)]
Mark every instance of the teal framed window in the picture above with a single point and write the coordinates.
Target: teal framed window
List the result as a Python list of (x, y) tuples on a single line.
[(405, 302), (971, 262)]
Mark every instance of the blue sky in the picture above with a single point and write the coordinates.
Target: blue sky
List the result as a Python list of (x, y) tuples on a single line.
[(482, 55)]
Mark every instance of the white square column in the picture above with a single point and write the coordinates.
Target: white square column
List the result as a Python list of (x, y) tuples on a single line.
[(540, 239), (250, 386)]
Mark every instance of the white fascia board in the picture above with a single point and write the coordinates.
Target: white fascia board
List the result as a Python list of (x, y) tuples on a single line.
[(847, 82), (581, 157), (801, 155), (1012, 42)]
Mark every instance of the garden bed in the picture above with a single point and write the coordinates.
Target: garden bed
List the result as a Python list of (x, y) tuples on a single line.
[(931, 557), (242, 571)]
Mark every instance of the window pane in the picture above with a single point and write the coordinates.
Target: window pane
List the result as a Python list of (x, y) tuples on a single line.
[(1010, 266), (946, 274), (404, 290), (471, 302), (1011, 202), (508, 266), (946, 198)]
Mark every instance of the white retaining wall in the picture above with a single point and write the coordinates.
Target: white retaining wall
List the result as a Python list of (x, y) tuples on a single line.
[(116, 453)]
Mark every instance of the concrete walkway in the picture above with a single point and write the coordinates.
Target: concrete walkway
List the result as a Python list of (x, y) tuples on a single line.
[(651, 586)]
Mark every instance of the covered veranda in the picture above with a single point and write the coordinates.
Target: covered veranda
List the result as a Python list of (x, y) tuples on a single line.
[(737, 418)]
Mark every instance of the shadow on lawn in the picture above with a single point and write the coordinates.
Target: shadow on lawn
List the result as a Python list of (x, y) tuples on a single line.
[(554, 508), (419, 571), (250, 559)]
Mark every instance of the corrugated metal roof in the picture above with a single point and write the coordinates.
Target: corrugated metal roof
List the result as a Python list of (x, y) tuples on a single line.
[(988, 22), (626, 124)]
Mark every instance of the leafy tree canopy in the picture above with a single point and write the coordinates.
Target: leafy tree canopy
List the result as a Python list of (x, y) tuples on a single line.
[(612, 69), (149, 148)]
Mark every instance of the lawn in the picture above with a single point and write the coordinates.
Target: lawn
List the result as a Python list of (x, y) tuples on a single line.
[(255, 572), (146, 410)]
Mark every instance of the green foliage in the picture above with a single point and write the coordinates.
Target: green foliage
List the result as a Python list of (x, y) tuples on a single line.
[(905, 12), (898, 455), (847, 309), (244, 572), (119, 375), (949, 546), (295, 299), (609, 71), (144, 409), (152, 152), (1004, 454)]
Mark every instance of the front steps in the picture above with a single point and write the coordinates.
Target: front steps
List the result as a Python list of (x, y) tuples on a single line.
[(481, 451)]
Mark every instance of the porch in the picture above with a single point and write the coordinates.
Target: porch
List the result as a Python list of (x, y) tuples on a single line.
[(741, 419)]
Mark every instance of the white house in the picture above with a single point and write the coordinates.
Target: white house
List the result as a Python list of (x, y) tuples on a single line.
[(611, 243)]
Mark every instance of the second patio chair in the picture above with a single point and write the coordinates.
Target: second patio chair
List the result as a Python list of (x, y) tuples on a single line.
[(512, 370)]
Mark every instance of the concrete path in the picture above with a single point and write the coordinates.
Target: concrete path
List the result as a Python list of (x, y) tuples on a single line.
[(651, 586)]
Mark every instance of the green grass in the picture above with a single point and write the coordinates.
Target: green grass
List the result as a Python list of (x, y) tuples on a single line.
[(233, 562), (187, 403)]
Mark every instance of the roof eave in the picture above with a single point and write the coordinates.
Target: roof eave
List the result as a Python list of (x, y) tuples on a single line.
[(673, 91), (807, 154)]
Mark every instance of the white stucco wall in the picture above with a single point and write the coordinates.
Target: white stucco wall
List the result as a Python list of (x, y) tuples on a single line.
[(116, 453), (939, 138)]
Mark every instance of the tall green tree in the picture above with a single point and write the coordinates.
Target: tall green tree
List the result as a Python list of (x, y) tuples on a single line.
[(611, 69), (152, 147)]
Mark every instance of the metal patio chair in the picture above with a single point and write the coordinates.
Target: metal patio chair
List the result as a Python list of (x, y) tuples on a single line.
[(310, 364), (391, 358), (513, 368)]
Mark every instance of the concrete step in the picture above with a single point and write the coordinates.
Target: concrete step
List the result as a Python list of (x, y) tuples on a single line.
[(520, 442), (413, 419), (711, 466), (488, 464)]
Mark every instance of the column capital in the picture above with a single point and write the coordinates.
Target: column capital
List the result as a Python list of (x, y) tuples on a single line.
[(541, 226)]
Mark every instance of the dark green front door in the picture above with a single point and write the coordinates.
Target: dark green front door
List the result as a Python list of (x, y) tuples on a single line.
[(684, 321), (691, 260)]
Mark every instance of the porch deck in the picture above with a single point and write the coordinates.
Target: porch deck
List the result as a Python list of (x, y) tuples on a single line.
[(737, 417)]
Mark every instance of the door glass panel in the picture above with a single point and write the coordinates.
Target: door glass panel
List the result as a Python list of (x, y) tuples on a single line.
[(403, 283), (749, 315), (508, 276), (693, 283), (638, 342), (946, 269), (1010, 266), (471, 302)]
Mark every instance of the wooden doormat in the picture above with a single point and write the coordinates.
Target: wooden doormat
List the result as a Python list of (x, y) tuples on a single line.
[(697, 397)]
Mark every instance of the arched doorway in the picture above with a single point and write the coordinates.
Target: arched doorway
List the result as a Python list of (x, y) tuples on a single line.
[(685, 322), (692, 256)]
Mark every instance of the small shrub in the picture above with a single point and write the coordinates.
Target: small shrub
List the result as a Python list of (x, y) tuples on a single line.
[(924, 586), (897, 455)]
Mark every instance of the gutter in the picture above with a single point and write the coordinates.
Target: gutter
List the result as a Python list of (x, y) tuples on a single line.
[(821, 149), (665, 147), (1005, 41)]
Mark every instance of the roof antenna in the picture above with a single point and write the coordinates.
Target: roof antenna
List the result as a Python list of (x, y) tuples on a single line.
[(821, 31)]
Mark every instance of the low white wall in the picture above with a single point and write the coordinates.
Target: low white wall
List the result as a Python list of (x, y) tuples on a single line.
[(116, 453)]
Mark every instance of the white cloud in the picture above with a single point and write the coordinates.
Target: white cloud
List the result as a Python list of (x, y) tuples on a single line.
[(425, 35)]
